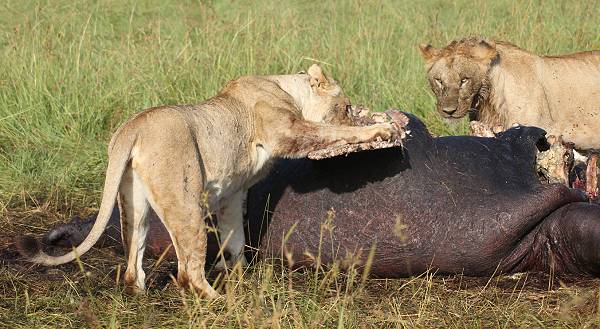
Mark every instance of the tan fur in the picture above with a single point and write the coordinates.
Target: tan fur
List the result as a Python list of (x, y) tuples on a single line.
[(501, 84), (186, 161)]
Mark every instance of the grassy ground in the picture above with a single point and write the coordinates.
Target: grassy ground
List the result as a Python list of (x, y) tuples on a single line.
[(90, 294), (72, 71)]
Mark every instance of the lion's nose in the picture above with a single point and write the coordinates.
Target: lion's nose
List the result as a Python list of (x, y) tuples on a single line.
[(449, 110)]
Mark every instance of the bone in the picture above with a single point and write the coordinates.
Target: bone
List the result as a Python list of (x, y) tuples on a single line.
[(498, 129), (561, 163), (480, 129), (556, 163), (592, 176)]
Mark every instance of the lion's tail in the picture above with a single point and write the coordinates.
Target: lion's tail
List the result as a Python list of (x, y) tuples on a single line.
[(121, 153)]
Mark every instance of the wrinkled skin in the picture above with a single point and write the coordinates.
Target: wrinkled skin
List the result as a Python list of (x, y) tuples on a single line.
[(452, 204)]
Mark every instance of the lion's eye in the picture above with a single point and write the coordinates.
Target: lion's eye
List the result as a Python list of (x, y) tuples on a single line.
[(439, 83), (464, 81)]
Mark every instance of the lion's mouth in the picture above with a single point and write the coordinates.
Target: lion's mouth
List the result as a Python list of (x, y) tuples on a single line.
[(455, 115), (461, 111), (474, 109)]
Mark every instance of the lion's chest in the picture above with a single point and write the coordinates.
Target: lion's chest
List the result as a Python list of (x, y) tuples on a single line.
[(230, 178)]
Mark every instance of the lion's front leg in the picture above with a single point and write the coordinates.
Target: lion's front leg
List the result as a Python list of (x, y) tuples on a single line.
[(303, 137), (231, 232), (313, 137)]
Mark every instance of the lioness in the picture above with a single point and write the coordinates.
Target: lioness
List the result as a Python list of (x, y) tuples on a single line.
[(501, 84), (179, 159)]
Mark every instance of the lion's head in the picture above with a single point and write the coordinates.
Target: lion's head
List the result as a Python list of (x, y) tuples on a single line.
[(457, 74), (327, 100)]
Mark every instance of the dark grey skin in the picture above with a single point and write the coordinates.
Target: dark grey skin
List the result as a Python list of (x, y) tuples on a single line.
[(465, 205)]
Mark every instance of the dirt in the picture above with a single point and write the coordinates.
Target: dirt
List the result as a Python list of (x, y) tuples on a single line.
[(109, 260)]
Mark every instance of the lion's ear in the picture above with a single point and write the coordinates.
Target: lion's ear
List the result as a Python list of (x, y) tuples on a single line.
[(317, 78), (428, 51), (484, 51)]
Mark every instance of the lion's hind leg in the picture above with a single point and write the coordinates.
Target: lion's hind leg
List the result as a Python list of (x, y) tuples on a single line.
[(189, 241), (176, 195), (134, 207)]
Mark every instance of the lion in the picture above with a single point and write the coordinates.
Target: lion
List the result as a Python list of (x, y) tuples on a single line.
[(188, 160), (500, 84)]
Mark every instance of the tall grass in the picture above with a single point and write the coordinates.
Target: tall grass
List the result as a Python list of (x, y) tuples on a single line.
[(72, 71)]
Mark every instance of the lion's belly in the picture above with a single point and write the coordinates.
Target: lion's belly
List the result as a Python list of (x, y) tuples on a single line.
[(577, 122), (572, 93), (584, 132), (585, 135)]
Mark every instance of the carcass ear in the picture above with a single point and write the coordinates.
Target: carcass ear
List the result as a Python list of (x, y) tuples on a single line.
[(484, 51), (317, 78), (428, 52)]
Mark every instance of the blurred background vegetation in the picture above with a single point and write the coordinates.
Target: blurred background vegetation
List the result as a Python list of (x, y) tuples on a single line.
[(72, 71)]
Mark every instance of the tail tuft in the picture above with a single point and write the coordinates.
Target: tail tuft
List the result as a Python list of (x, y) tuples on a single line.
[(28, 246)]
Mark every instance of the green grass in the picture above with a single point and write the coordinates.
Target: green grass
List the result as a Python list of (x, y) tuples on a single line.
[(72, 71)]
